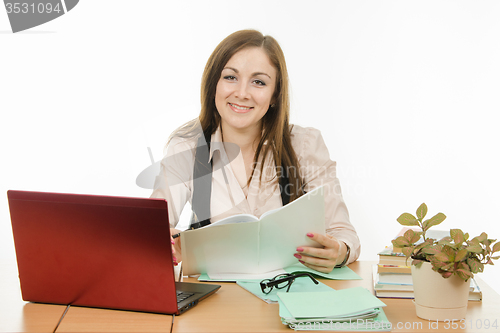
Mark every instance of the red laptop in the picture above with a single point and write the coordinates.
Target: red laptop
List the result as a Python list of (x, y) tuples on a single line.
[(98, 251)]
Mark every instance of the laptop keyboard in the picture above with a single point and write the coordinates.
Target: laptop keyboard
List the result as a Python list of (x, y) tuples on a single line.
[(182, 295)]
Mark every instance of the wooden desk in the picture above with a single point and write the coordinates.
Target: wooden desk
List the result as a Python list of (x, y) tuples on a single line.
[(19, 316), (81, 319), (233, 309)]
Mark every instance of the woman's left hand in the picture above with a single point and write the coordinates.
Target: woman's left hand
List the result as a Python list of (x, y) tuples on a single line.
[(322, 259)]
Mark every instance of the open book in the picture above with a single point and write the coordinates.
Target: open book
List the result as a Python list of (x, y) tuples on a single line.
[(246, 244)]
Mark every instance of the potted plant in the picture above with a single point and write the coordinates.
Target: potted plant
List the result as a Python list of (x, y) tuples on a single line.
[(441, 269)]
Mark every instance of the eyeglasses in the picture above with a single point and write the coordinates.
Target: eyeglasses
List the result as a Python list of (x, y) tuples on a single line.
[(281, 281)]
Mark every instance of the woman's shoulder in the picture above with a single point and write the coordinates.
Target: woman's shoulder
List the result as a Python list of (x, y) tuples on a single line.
[(181, 147), (185, 136), (183, 141), (306, 140), (304, 133)]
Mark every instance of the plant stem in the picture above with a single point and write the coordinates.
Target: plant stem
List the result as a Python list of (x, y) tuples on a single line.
[(421, 225)]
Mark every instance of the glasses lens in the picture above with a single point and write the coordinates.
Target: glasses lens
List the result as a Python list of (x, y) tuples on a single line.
[(265, 288), (286, 279)]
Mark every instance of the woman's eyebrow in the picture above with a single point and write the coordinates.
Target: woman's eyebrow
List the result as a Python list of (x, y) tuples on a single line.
[(253, 74)]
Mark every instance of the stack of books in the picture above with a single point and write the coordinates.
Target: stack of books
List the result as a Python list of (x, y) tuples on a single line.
[(392, 277)]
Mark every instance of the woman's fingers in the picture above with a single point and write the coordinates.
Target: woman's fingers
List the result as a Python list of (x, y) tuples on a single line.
[(322, 259), (176, 246)]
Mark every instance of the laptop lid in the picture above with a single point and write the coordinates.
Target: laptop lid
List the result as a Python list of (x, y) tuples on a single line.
[(97, 251)]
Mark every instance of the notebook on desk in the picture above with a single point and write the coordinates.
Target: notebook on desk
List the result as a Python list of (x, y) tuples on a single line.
[(98, 251)]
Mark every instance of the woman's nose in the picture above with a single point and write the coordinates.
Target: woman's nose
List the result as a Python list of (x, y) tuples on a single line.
[(242, 91)]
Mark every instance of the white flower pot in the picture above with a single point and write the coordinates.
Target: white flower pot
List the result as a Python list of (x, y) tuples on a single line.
[(437, 298)]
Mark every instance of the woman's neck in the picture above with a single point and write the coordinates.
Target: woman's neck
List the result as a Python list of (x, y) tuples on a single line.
[(247, 139)]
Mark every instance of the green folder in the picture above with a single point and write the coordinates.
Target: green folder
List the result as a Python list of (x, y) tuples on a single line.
[(353, 309)]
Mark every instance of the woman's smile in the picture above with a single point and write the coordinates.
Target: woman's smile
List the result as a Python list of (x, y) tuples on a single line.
[(239, 108)]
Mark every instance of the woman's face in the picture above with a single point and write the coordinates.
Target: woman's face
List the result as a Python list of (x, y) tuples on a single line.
[(245, 90)]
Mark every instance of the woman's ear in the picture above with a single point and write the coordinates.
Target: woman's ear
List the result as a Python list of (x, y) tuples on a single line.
[(273, 102)]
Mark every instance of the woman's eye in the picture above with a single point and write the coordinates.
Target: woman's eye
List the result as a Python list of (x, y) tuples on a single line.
[(259, 82), (229, 77)]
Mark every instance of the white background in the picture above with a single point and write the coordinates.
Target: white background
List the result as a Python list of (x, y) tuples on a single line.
[(405, 93)]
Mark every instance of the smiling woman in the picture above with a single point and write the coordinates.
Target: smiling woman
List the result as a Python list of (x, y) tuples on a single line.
[(245, 103)]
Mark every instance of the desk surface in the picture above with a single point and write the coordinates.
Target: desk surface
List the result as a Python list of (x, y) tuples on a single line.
[(19, 316), (231, 309)]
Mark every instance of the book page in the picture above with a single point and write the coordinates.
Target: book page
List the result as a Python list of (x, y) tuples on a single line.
[(226, 248), (283, 230), (270, 212), (240, 218)]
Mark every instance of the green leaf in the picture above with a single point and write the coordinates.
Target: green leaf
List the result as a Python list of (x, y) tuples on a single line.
[(481, 238), (416, 236), (450, 252), (430, 250), (449, 266), (407, 219), (496, 247), (463, 265), (411, 236), (441, 256), (421, 246), (436, 265), (422, 211), (435, 220), (475, 265), (445, 242), (400, 242), (475, 248), (463, 274), (457, 235), (407, 251), (473, 241), (446, 274), (417, 263), (461, 255)]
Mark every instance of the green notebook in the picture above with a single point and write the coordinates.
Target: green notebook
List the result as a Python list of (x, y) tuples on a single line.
[(353, 309)]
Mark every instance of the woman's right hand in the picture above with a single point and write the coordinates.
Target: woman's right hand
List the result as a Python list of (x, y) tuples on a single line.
[(176, 246)]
